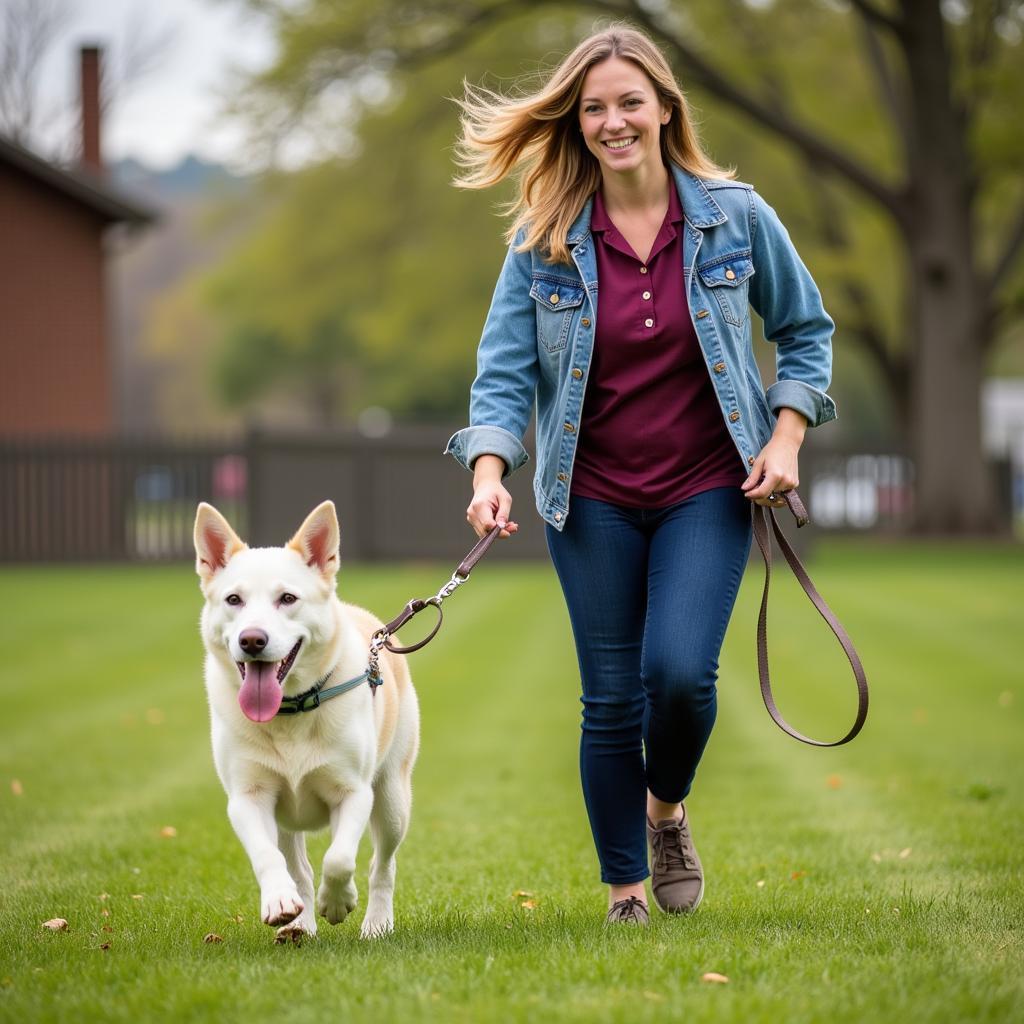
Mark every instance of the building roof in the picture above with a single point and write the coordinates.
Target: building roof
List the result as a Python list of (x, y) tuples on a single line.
[(80, 184)]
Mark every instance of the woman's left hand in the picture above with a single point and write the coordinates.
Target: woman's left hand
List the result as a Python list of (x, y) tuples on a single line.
[(775, 468)]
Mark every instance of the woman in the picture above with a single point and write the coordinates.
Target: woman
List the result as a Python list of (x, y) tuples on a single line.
[(622, 312)]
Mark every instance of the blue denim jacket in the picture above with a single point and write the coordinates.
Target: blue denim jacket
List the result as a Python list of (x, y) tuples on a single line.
[(538, 339)]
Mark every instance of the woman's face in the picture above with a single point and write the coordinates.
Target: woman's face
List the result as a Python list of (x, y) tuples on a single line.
[(621, 117)]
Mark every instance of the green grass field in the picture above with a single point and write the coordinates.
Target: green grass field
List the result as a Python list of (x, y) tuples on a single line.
[(878, 882)]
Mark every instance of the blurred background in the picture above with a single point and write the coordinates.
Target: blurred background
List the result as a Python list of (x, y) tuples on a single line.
[(233, 268)]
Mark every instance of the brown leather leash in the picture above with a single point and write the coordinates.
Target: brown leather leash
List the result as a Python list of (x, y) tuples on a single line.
[(763, 514), (382, 637)]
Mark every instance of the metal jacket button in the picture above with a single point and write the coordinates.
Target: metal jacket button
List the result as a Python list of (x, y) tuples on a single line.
[(734, 416), (718, 367), (750, 460), (562, 477), (585, 321), (730, 275), (554, 300), (558, 517), (701, 313), (577, 373), (569, 428)]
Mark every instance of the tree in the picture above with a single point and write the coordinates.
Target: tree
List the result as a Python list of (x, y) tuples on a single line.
[(926, 92)]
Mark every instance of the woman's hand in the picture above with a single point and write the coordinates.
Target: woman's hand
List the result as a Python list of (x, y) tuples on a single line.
[(491, 502), (775, 468)]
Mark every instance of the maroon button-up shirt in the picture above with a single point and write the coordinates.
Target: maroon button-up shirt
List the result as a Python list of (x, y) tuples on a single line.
[(652, 432)]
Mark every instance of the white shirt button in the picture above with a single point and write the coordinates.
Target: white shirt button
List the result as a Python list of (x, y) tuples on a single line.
[(648, 322), (643, 270), (647, 295)]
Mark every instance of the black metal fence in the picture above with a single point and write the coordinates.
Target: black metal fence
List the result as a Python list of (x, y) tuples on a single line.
[(398, 497)]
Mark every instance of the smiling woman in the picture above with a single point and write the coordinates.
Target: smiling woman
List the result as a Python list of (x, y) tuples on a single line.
[(621, 314)]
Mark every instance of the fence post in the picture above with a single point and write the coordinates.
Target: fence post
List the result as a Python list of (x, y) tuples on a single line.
[(254, 444)]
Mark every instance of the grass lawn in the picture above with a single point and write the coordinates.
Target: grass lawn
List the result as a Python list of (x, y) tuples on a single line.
[(877, 882)]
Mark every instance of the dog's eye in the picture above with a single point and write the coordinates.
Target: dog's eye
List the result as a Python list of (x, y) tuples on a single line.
[(233, 599), (288, 598)]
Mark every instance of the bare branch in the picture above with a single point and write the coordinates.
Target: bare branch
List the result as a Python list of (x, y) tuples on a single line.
[(27, 30)]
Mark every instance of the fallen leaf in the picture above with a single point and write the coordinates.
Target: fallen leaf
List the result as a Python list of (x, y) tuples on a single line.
[(16, 787), (107, 928), (168, 832), (239, 919), (104, 912), (104, 896), (212, 937), (56, 924), (834, 781), (717, 979), (760, 883), (798, 874), (137, 896), (529, 904), (521, 894), (905, 853), (105, 946)]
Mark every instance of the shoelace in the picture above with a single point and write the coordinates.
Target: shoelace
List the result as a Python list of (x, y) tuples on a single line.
[(626, 910), (672, 848)]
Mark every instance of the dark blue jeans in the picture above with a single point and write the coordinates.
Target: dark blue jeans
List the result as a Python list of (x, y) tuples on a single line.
[(649, 594)]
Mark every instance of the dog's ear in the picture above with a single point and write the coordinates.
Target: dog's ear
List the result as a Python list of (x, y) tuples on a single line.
[(215, 541), (318, 538)]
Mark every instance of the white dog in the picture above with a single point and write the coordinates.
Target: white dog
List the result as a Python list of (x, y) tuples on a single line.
[(274, 630)]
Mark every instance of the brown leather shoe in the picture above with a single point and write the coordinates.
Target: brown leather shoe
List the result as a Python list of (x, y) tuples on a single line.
[(677, 879), (631, 910)]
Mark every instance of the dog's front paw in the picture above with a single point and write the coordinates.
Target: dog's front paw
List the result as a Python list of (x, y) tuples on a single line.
[(303, 927), (280, 905), (376, 927), (335, 902)]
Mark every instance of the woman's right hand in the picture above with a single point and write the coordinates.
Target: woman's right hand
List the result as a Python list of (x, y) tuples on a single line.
[(491, 502)]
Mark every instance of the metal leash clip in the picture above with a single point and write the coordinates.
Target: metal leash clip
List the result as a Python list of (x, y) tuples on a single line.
[(381, 639)]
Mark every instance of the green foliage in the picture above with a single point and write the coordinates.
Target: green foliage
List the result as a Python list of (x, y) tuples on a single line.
[(890, 868), (374, 236)]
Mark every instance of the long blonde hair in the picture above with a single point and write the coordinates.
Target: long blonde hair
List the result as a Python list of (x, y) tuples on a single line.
[(536, 138)]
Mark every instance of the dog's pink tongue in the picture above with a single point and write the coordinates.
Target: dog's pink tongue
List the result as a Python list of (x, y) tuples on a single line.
[(261, 693)]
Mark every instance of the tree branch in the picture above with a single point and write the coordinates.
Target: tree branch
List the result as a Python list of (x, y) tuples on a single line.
[(872, 14), (1011, 250), (891, 98)]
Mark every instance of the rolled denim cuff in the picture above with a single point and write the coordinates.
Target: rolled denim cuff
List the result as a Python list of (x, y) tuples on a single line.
[(813, 404), (468, 444)]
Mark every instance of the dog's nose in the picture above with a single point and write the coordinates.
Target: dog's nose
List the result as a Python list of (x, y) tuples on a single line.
[(252, 641)]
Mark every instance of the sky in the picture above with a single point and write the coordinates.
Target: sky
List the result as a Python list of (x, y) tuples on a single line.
[(174, 109)]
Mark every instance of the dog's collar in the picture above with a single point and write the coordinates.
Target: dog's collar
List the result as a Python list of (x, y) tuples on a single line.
[(316, 695)]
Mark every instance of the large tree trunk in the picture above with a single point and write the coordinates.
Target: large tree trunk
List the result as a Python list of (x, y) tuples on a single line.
[(954, 490)]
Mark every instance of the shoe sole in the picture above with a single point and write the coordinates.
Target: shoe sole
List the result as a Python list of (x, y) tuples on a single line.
[(690, 910)]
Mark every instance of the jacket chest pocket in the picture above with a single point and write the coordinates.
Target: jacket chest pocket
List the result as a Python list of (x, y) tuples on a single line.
[(556, 302), (727, 277)]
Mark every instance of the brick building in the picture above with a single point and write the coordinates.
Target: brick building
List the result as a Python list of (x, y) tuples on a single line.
[(55, 227)]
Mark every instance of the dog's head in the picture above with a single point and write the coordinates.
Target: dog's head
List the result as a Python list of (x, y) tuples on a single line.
[(268, 610)]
